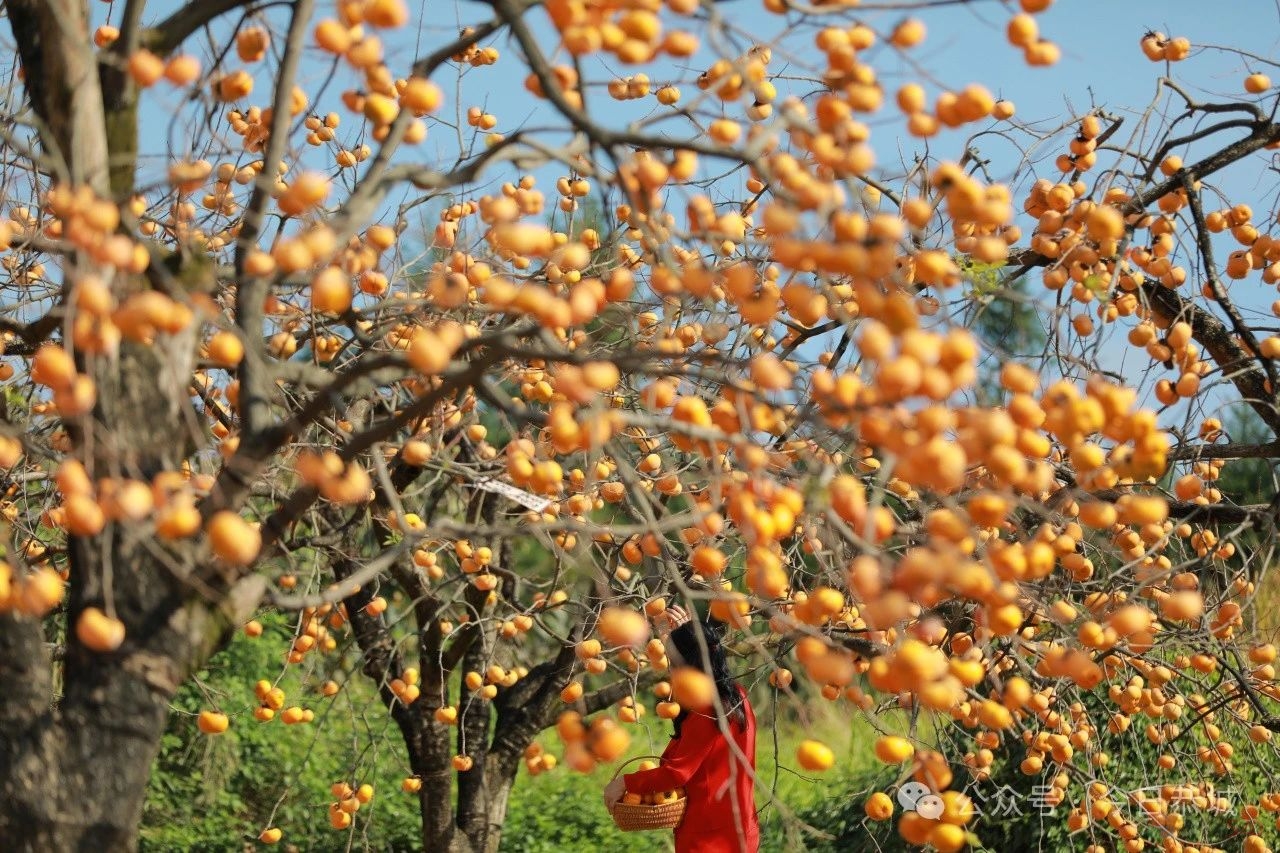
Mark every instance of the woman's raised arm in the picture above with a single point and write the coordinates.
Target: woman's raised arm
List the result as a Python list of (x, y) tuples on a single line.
[(680, 761)]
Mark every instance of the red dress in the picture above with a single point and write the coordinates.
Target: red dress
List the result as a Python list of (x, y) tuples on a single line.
[(713, 776)]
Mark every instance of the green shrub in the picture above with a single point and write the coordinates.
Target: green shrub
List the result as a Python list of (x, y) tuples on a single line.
[(562, 810), (217, 793)]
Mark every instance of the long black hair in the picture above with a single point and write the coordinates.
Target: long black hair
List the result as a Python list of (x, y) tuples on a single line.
[(714, 662)]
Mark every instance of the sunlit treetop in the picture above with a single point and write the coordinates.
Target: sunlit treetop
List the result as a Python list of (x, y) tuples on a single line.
[(298, 320)]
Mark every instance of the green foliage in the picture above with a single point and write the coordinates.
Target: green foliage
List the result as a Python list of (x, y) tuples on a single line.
[(1011, 820), (217, 793), (825, 814), (842, 819), (1002, 313), (562, 810)]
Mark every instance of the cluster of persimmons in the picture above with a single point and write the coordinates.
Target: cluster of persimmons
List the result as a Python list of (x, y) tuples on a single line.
[(1026, 572)]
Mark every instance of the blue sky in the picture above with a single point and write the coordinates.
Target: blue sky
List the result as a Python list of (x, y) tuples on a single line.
[(1101, 63)]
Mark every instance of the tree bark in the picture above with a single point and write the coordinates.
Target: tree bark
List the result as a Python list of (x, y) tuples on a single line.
[(500, 774), (61, 78), (475, 823), (473, 740), (518, 715), (74, 771)]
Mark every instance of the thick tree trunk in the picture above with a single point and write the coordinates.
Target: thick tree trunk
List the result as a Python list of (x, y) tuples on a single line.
[(475, 826), (522, 712), (500, 776), (74, 771), (473, 741), (73, 775), (473, 822), (74, 778), (426, 741), (61, 78), (435, 801)]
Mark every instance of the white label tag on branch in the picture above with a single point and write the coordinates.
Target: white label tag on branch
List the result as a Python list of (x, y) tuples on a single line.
[(520, 496)]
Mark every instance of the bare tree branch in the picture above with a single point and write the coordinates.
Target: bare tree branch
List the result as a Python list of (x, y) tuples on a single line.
[(169, 34), (252, 291)]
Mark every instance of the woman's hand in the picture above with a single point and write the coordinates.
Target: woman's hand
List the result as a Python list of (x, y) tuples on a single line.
[(613, 792), (673, 617)]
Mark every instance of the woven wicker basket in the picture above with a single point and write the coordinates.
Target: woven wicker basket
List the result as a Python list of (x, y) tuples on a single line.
[(637, 817)]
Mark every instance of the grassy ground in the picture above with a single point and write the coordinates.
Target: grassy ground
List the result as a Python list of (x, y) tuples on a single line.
[(561, 810)]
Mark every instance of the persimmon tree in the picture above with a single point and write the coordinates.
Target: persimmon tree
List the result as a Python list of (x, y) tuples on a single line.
[(475, 469)]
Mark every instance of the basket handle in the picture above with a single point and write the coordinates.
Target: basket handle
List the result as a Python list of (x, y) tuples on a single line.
[(631, 760)]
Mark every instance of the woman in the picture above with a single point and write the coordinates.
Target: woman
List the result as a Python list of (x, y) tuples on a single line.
[(720, 816)]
